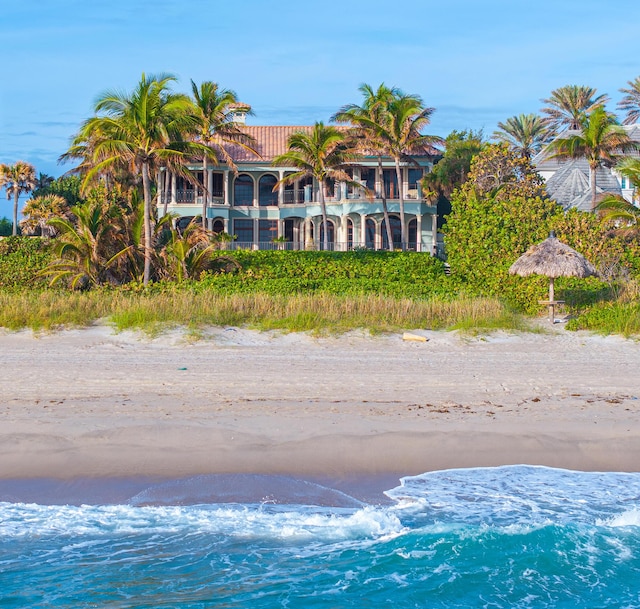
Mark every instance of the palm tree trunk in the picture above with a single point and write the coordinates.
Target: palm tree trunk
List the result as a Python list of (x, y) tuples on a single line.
[(592, 179), (403, 227), (146, 187), (16, 195), (385, 209)]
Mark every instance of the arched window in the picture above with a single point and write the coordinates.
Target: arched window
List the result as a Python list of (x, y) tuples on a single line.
[(266, 196), (218, 226), (243, 190), (371, 233), (331, 231), (396, 233), (413, 235)]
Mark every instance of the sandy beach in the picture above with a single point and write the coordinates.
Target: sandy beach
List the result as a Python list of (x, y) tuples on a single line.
[(94, 403)]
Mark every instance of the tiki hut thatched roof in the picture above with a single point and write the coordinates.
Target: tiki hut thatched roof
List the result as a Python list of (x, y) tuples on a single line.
[(552, 259)]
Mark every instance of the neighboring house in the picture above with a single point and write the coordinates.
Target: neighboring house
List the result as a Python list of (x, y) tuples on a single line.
[(567, 180), (244, 204)]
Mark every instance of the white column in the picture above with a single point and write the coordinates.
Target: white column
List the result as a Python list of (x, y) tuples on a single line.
[(434, 233), (363, 230), (225, 187), (280, 188), (174, 188)]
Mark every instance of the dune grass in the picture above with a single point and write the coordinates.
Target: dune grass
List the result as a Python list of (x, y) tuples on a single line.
[(316, 313)]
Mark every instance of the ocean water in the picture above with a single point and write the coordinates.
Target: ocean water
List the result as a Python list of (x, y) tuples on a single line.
[(507, 537)]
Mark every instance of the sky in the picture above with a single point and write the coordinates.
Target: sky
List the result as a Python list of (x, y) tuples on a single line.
[(477, 62)]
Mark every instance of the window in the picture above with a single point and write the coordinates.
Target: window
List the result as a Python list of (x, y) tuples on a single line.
[(396, 233), (218, 226), (368, 176), (330, 233), (390, 183), (415, 175), (243, 229), (266, 196), (243, 190), (217, 189), (267, 230), (370, 233)]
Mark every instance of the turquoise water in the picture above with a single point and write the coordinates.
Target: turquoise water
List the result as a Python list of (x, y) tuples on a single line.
[(511, 537)]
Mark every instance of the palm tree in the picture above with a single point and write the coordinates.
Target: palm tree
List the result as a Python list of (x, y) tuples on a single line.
[(17, 179), (215, 127), (187, 253), (89, 246), (321, 153), (142, 129), (630, 103), (526, 133), (568, 104), (43, 181), (599, 141), (38, 211), (367, 122), (617, 209), (401, 136)]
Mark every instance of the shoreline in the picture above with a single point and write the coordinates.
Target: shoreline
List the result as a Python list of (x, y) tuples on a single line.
[(91, 404)]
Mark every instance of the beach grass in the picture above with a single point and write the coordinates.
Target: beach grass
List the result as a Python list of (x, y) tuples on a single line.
[(316, 313)]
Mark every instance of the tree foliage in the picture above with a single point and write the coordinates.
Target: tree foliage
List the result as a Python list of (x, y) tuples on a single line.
[(17, 179), (526, 133), (495, 217), (630, 103), (567, 105), (451, 171)]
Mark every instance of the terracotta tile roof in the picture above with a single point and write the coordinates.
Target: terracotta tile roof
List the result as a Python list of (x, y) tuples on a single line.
[(270, 141)]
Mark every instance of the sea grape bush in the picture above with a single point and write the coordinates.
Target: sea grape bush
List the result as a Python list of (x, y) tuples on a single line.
[(21, 259)]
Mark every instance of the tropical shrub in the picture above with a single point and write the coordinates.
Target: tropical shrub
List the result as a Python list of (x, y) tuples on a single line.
[(21, 261), (496, 216)]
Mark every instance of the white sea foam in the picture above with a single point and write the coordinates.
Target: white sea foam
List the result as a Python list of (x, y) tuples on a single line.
[(528, 495), (19, 520), (629, 518)]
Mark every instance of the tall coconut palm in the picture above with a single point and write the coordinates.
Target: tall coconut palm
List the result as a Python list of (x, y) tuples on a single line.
[(367, 122), (567, 105), (401, 135), (321, 154), (142, 129), (214, 110), (600, 140), (526, 133), (630, 103), (17, 179)]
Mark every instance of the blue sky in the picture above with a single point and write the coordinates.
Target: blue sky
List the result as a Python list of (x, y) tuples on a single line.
[(476, 61)]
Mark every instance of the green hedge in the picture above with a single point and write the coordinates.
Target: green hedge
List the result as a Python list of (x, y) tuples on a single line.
[(21, 258), (398, 274)]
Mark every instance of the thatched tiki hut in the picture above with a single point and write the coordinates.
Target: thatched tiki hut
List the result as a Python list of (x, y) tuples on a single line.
[(552, 259)]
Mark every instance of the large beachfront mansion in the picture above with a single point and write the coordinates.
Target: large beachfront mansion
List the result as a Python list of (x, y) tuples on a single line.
[(244, 203)]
